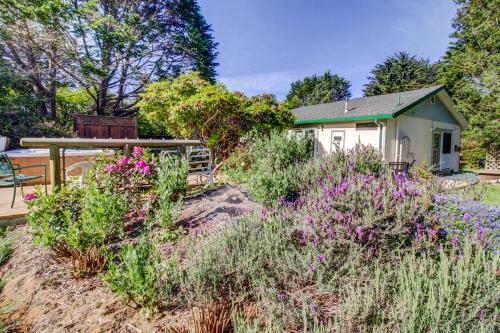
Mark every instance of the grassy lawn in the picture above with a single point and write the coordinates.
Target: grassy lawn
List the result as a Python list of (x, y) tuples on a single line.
[(492, 195)]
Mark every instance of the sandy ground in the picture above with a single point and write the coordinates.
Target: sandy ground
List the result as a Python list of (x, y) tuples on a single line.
[(40, 295)]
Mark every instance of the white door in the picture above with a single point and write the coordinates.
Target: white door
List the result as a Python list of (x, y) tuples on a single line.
[(445, 160)]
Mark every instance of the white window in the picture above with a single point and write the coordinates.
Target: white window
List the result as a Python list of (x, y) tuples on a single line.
[(337, 140)]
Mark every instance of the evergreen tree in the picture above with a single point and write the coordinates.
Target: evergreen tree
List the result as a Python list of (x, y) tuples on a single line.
[(318, 89), (471, 70), (198, 40), (400, 72)]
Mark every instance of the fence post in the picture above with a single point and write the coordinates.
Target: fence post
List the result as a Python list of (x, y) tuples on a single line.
[(55, 169)]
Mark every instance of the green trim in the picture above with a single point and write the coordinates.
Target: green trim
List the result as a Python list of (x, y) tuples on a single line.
[(370, 117), (342, 119)]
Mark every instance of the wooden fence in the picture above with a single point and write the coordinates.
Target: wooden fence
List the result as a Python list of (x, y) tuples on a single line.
[(104, 127)]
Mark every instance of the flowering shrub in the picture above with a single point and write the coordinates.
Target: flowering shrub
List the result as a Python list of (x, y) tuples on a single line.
[(131, 174), (463, 218)]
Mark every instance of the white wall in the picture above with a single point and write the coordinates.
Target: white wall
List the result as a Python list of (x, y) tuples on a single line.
[(420, 133), (352, 136)]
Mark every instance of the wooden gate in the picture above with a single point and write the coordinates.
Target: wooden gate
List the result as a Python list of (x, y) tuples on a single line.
[(104, 127)]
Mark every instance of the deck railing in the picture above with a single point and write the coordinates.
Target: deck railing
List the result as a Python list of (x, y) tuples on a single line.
[(55, 144)]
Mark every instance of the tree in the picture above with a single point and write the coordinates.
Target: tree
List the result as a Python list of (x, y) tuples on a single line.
[(112, 49), (400, 72), (318, 89), (471, 70), (190, 107)]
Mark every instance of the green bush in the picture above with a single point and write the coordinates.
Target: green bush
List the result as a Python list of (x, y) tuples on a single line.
[(77, 217), (139, 276), (101, 219), (276, 162), (50, 215), (170, 187)]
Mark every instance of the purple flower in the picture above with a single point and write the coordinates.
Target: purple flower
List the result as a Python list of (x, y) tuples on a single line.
[(282, 297), (482, 315), (137, 152), (311, 267), (321, 258), (360, 231), (29, 197), (467, 217), (282, 200)]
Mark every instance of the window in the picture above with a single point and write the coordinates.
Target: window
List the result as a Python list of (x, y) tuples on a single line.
[(338, 138), (366, 126), (446, 143)]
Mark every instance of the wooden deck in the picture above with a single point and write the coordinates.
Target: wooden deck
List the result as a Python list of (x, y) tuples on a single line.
[(16, 214)]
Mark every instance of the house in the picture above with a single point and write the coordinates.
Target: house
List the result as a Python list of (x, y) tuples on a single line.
[(410, 126)]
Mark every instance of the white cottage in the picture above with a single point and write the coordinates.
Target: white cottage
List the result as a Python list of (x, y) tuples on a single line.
[(410, 126)]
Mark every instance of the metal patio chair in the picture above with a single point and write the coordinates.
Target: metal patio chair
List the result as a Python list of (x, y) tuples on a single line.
[(9, 178)]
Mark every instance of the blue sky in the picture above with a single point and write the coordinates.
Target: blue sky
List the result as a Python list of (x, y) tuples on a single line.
[(267, 44)]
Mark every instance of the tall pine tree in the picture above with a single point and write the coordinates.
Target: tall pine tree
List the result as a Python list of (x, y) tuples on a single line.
[(318, 89), (400, 72), (471, 70)]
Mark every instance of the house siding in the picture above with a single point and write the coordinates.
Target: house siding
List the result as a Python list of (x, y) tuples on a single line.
[(418, 124)]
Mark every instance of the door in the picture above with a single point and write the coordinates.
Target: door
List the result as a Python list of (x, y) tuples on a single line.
[(446, 151), (436, 148), (441, 150), (338, 140)]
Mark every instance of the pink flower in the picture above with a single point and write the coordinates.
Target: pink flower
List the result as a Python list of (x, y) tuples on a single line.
[(137, 151), (140, 164), (109, 167), (123, 160), (311, 267), (29, 197)]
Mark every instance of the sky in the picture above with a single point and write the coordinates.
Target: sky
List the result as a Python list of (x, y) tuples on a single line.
[(265, 45)]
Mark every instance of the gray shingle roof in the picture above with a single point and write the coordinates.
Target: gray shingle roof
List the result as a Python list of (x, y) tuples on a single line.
[(381, 106)]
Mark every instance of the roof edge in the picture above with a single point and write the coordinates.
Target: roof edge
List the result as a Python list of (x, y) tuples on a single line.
[(343, 119)]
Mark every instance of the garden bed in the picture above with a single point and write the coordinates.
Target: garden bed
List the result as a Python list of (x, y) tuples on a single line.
[(40, 297)]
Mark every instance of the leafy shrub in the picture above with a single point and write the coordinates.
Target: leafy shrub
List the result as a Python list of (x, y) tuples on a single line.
[(170, 187), (451, 293), (50, 215), (276, 163), (237, 167), (101, 219), (140, 278)]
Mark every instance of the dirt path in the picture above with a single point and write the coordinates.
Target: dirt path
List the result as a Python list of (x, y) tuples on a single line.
[(40, 296)]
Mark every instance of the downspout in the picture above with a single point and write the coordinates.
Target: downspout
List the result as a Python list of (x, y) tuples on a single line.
[(381, 145), (396, 148)]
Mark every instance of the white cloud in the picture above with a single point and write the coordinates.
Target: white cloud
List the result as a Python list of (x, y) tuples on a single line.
[(277, 83)]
